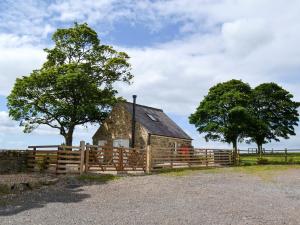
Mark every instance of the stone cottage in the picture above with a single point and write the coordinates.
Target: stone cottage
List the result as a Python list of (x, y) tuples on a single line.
[(151, 127)]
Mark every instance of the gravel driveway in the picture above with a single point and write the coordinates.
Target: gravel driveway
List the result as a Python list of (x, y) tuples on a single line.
[(197, 198)]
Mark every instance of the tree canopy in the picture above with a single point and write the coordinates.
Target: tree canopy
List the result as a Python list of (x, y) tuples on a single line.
[(232, 111), (274, 114), (73, 87), (222, 114)]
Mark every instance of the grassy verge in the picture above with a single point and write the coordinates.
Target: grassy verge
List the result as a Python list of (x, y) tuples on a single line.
[(97, 177), (265, 172), (178, 172)]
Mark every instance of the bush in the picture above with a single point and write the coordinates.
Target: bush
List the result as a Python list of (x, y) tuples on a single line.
[(42, 164), (262, 161)]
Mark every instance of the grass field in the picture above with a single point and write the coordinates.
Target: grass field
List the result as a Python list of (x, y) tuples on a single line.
[(269, 158)]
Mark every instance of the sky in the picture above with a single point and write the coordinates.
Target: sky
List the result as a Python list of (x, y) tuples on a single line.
[(178, 50)]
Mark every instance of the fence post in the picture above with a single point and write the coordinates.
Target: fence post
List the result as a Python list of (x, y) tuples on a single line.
[(120, 153), (82, 148), (285, 155), (206, 158), (87, 158), (171, 158), (57, 159), (148, 159)]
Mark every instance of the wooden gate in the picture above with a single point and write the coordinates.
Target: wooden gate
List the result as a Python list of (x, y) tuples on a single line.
[(63, 160), (99, 158)]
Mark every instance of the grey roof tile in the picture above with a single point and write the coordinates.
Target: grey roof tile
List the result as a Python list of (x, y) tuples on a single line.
[(164, 126)]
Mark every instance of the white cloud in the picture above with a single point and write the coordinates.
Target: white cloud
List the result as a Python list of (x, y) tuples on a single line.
[(11, 134), (253, 40), (242, 37), (6, 124), (17, 58)]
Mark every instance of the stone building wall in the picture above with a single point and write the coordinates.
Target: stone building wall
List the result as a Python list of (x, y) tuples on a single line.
[(168, 142), (118, 126), (12, 161), (160, 144)]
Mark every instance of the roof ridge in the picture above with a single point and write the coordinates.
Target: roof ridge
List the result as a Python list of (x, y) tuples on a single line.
[(144, 106)]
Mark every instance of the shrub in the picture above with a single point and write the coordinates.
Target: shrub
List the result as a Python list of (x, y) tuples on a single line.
[(42, 164), (262, 161)]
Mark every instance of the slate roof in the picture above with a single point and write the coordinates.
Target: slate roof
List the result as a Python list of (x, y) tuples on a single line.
[(164, 126)]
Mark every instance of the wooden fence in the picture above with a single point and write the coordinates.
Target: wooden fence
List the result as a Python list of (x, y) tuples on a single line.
[(93, 158), (62, 160), (189, 157)]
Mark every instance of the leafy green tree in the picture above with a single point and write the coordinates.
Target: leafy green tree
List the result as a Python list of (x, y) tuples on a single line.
[(223, 114), (274, 114), (73, 87)]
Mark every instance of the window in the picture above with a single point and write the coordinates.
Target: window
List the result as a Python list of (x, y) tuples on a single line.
[(151, 117), (123, 143), (102, 142)]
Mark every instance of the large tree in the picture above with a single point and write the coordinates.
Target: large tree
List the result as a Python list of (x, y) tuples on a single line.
[(73, 87), (223, 115), (273, 114)]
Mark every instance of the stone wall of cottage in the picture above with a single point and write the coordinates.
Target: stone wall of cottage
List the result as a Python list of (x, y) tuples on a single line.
[(160, 144), (118, 126)]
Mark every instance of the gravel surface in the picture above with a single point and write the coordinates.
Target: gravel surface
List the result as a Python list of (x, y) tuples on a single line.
[(198, 198)]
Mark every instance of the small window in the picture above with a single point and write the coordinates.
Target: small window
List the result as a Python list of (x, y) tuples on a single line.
[(121, 143), (102, 143), (151, 117)]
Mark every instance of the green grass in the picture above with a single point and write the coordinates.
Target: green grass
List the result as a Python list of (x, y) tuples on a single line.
[(276, 158), (265, 172), (178, 172), (98, 177)]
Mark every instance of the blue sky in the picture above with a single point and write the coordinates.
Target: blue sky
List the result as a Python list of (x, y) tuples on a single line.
[(178, 49)]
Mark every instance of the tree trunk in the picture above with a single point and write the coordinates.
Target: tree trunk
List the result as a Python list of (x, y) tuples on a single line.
[(69, 137), (259, 149), (235, 151)]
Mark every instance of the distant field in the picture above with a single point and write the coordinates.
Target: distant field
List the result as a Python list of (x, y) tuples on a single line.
[(270, 158)]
